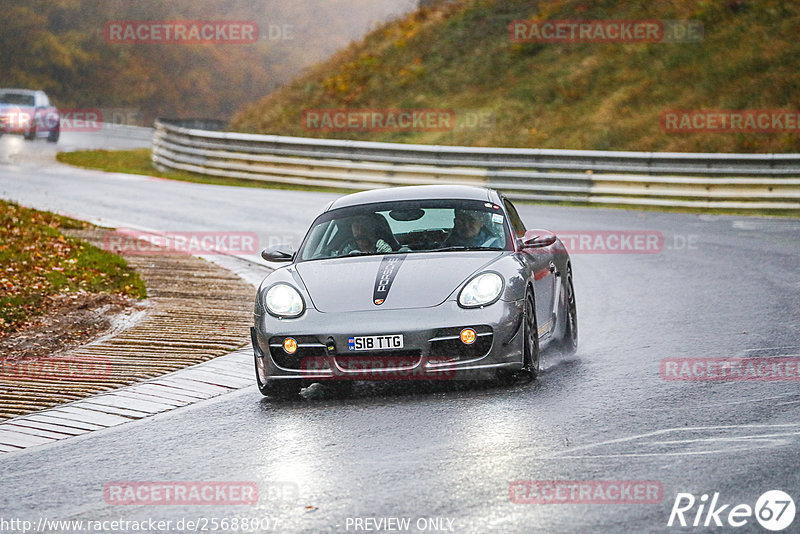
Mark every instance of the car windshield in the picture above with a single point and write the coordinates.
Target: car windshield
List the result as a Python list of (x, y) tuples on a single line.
[(17, 99), (406, 227)]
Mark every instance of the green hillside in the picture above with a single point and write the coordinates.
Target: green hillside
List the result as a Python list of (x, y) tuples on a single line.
[(610, 96), (59, 46)]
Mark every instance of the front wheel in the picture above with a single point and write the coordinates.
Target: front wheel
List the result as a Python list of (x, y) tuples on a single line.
[(30, 135), (531, 343), (530, 346), (282, 389), (54, 134), (569, 343)]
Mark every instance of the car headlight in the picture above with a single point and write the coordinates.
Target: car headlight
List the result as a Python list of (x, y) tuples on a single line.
[(481, 290), (282, 300)]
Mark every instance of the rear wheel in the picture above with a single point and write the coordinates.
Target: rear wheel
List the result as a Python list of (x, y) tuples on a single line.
[(569, 343), (282, 389)]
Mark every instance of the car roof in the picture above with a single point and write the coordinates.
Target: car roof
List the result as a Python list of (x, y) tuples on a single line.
[(22, 91), (416, 192)]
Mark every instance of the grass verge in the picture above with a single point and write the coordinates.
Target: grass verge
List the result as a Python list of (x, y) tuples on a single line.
[(40, 265), (137, 161)]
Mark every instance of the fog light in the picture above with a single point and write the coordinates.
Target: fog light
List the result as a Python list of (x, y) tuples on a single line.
[(468, 336), (290, 345)]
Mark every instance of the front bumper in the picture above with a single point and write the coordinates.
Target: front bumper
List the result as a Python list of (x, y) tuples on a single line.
[(9, 129), (13, 124), (431, 350)]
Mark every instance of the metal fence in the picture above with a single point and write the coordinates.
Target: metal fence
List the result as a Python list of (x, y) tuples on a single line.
[(728, 181)]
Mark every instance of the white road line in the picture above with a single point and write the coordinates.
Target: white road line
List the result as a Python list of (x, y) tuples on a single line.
[(791, 347), (751, 401), (746, 442), (679, 429)]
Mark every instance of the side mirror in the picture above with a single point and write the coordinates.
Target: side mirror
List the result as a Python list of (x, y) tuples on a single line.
[(278, 254), (539, 241)]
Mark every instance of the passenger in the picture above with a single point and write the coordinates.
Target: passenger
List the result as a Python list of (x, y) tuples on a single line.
[(469, 230)]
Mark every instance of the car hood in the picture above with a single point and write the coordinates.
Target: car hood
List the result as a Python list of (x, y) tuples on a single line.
[(421, 280), (14, 108)]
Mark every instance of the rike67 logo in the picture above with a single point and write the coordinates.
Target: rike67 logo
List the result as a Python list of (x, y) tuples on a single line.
[(774, 511)]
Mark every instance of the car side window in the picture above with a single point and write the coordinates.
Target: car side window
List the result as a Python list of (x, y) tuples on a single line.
[(516, 223)]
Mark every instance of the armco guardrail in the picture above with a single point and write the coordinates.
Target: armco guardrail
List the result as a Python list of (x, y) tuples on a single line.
[(729, 181)]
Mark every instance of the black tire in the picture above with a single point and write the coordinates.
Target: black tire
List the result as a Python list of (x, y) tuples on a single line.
[(53, 136), (30, 135), (530, 331), (281, 389), (530, 347), (568, 344)]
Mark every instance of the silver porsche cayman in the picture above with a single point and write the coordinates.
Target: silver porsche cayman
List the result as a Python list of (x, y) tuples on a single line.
[(413, 283)]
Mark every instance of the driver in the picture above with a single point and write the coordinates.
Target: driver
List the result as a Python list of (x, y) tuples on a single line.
[(469, 230), (365, 238)]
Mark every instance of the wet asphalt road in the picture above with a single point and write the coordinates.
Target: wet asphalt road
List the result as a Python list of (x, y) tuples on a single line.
[(721, 287)]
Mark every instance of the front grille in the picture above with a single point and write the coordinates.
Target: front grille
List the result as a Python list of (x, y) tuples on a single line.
[(377, 360)]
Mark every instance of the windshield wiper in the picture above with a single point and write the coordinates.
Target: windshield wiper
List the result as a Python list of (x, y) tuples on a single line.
[(460, 247), (358, 253)]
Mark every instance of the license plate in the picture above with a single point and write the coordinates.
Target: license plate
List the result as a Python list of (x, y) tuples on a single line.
[(388, 342)]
